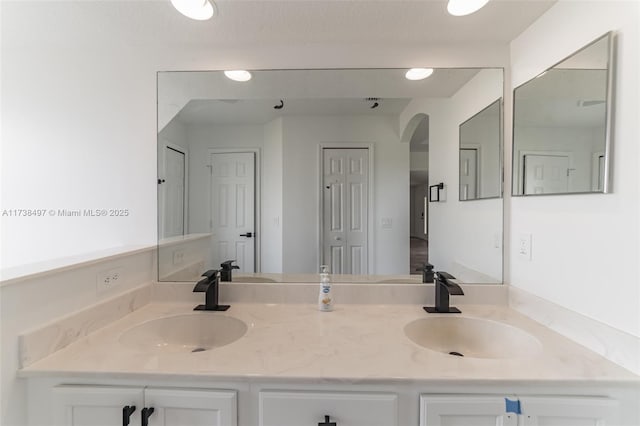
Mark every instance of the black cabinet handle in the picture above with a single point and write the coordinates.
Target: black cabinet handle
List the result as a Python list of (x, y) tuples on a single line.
[(127, 411), (248, 234), (146, 413), (327, 423)]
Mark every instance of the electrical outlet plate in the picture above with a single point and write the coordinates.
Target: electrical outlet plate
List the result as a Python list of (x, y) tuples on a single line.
[(524, 246), (178, 257), (109, 278)]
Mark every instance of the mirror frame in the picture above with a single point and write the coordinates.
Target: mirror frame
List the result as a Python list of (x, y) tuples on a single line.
[(609, 114)]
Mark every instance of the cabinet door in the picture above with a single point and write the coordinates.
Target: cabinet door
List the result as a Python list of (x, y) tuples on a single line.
[(465, 410), (299, 408), (191, 407), (95, 405), (568, 411)]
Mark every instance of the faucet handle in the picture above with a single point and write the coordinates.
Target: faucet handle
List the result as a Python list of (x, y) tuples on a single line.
[(210, 274), (444, 276), (427, 267), (227, 265)]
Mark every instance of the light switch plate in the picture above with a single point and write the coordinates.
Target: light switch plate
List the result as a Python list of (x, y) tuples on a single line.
[(497, 240)]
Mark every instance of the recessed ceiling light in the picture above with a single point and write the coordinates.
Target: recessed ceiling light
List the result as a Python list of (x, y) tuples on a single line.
[(238, 75), (418, 73), (465, 7), (200, 10)]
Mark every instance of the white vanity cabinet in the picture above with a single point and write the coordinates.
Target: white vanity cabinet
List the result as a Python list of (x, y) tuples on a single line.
[(465, 410), (568, 411), (301, 408), (95, 405), (472, 410), (104, 405), (56, 402)]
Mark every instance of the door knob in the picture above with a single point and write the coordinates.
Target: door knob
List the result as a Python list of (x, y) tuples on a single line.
[(248, 235)]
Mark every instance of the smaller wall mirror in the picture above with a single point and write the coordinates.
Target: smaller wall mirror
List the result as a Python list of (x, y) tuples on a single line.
[(561, 125), (480, 166)]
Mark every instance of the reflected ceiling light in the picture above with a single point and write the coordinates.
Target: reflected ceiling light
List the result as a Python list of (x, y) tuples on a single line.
[(200, 10), (418, 73), (465, 7), (238, 75)]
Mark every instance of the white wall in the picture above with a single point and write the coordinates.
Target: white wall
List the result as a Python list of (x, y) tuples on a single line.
[(174, 133), (461, 234), (79, 127), (75, 118), (272, 184), (31, 302), (302, 139), (79, 108), (586, 248)]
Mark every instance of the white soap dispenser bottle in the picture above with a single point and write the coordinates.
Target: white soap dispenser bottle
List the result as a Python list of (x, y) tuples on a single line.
[(325, 298)]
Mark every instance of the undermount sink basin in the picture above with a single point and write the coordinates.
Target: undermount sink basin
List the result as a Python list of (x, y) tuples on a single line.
[(195, 332), (472, 337), (241, 279)]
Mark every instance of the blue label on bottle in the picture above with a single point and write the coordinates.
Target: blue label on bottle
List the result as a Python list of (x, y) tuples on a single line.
[(325, 290)]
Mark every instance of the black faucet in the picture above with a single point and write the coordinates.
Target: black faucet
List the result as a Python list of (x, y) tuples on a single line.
[(427, 273), (209, 285), (225, 272), (444, 288)]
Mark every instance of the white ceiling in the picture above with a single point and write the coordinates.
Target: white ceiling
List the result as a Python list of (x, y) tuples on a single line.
[(261, 111), (214, 99), (268, 22)]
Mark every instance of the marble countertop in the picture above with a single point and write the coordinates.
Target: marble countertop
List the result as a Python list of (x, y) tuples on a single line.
[(354, 344)]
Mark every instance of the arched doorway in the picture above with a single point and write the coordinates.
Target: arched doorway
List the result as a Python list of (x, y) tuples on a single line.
[(416, 134)]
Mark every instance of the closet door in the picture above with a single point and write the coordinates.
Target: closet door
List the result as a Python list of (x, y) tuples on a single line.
[(345, 210)]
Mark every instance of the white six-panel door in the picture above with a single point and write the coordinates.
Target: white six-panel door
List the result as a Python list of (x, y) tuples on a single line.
[(172, 193), (545, 174), (468, 174), (232, 209), (345, 210)]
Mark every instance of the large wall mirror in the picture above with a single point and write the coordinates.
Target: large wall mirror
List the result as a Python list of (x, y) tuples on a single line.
[(481, 154), (297, 168), (562, 125)]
